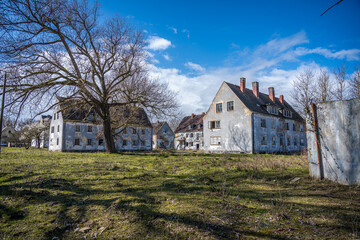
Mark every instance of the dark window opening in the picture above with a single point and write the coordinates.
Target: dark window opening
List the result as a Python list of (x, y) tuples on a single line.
[(77, 142), (230, 106)]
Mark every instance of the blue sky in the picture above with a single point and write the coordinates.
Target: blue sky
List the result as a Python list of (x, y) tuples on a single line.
[(196, 45)]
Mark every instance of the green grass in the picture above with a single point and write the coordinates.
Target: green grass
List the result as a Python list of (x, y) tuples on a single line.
[(165, 195)]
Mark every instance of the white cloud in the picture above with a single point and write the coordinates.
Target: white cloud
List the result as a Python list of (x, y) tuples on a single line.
[(187, 32), (350, 55), (167, 57), (194, 66), (174, 29), (158, 43)]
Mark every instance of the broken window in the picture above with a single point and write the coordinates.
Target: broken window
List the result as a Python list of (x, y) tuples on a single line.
[(263, 140), (263, 123), (215, 140), (273, 140), (89, 142), (230, 106), (219, 107), (77, 128), (214, 124), (101, 141), (77, 142), (52, 129), (90, 129)]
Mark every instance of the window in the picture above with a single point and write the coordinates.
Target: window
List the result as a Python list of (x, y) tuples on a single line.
[(89, 142), (272, 110), (191, 144), (101, 141), (302, 142), (54, 116), (58, 128), (263, 123), (287, 126), (90, 128), (273, 140), (52, 129), (286, 113), (77, 128), (230, 106), (281, 141), (124, 143), (214, 124), (134, 143), (219, 107), (134, 131), (187, 135), (273, 124), (142, 143), (191, 135), (263, 140), (294, 127), (186, 144), (288, 140), (57, 141), (301, 128), (77, 142), (197, 136), (143, 131), (215, 140), (295, 141)]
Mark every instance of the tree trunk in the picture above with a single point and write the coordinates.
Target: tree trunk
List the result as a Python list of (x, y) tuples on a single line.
[(109, 139)]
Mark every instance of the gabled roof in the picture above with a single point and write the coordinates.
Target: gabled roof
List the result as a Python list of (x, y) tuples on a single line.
[(157, 126), (72, 112), (191, 120), (258, 104)]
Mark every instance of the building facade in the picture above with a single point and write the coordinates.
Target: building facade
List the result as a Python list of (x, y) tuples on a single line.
[(189, 134), (79, 131), (244, 120), (163, 136)]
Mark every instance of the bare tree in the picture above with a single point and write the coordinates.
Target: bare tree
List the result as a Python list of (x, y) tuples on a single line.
[(354, 84), (324, 90), (340, 77), (59, 48), (304, 92)]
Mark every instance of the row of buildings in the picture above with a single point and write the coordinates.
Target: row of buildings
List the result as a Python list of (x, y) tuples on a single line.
[(238, 120)]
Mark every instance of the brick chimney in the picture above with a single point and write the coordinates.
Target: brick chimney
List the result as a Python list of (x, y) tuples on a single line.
[(203, 113), (192, 115), (255, 86), (272, 94), (281, 98), (242, 84)]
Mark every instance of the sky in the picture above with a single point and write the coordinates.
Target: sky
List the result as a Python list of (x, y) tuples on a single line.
[(196, 45)]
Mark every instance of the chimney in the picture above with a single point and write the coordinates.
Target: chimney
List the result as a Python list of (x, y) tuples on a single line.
[(203, 113), (281, 98), (272, 94), (242, 84), (192, 115), (255, 86)]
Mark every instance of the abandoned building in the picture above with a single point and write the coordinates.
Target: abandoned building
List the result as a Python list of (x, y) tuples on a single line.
[(189, 133), (81, 130), (244, 120), (334, 141), (163, 136), (42, 141), (6, 136)]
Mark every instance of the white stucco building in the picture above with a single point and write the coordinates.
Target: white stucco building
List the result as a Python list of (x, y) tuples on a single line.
[(189, 133), (244, 120)]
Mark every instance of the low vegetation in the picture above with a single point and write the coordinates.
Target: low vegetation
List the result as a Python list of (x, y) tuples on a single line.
[(166, 195)]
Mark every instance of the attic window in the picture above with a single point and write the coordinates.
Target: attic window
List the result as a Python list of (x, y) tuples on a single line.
[(219, 107), (230, 106), (272, 110), (286, 113)]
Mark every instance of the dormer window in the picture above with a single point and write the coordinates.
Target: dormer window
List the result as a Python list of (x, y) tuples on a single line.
[(272, 110), (286, 113)]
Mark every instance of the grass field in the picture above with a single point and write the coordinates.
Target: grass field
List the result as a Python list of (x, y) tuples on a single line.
[(164, 195)]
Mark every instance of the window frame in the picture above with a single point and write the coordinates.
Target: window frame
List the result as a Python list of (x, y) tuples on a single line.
[(218, 107), (230, 106), (215, 140), (263, 122), (77, 128), (77, 142)]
